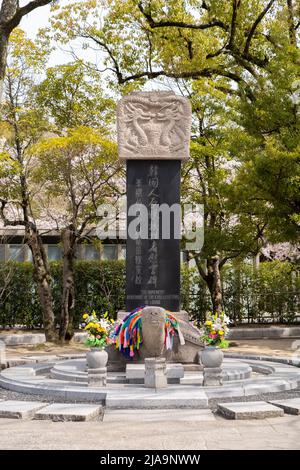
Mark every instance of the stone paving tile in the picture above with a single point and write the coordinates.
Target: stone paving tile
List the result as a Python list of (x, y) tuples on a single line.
[(70, 412), (249, 410), (173, 398), (159, 415), (290, 406), (19, 409), (289, 424), (148, 435), (246, 445)]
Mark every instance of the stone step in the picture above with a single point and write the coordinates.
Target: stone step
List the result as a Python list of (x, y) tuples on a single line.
[(131, 416), (290, 406), (249, 410), (70, 412), (192, 367), (15, 409), (192, 379), (168, 398)]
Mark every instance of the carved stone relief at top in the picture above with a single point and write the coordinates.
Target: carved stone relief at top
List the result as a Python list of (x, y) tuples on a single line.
[(154, 125)]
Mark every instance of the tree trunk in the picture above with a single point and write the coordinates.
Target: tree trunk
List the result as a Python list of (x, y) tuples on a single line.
[(7, 13), (216, 285), (3, 58), (10, 16), (68, 296), (43, 279), (237, 293), (292, 30), (213, 280)]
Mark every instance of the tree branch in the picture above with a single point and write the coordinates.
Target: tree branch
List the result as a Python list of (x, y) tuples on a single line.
[(199, 267), (255, 25), (206, 72), (222, 262), (180, 24), (11, 22), (235, 7), (13, 223), (110, 53)]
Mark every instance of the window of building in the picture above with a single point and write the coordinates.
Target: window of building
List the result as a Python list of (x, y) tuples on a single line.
[(109, 252), (17, 252), (91, 253), (54, 253)]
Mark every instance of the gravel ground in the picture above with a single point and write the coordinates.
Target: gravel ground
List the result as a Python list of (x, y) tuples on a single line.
[(9, 395)]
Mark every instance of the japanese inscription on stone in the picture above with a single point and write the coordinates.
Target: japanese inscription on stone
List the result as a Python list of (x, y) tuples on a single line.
[(153, 137)]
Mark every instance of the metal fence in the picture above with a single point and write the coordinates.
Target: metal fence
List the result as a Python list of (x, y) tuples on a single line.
[(255, 308)]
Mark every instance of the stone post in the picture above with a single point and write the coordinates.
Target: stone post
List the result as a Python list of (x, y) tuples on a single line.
[(97, 377), (212, 376), (155, 373)]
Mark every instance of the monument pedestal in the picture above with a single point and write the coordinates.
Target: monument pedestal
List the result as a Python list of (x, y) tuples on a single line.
[(135, 373)]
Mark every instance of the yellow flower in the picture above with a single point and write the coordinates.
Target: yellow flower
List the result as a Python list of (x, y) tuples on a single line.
[(85, 316), (208, 323), (213, 332), (221, 333)]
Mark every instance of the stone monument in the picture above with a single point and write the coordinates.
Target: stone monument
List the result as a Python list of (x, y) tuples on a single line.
[(153, 138)]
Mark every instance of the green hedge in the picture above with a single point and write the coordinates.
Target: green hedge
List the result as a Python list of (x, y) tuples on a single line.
[(99, 286), (269, 294)]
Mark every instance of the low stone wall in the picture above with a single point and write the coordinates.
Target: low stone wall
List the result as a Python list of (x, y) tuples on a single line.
[(27, 339), (272, 332), (22, 339), (267, 332)]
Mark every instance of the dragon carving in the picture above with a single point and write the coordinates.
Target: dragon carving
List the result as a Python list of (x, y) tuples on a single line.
[(155, 125)]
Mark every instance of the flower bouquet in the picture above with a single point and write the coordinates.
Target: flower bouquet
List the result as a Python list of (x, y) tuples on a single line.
[(99, 329), (215, 330)]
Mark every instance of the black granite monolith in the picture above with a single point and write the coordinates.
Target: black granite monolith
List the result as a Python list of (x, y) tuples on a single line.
[(153, 265)]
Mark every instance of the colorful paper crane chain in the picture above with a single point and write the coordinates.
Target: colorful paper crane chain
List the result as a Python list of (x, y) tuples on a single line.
[(128, 336)]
